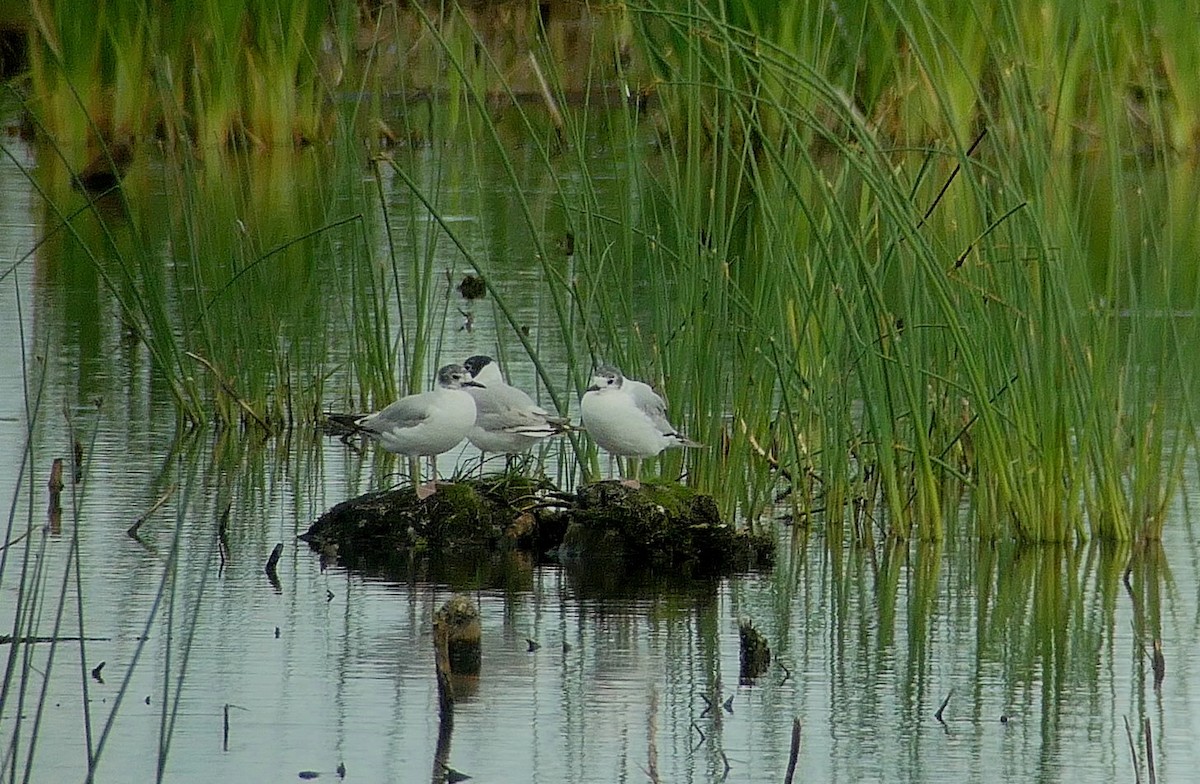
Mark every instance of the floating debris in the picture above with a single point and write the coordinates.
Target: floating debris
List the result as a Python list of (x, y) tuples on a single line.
[(472, 287)]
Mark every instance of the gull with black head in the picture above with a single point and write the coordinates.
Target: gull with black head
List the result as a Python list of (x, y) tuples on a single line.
[(508, 420)]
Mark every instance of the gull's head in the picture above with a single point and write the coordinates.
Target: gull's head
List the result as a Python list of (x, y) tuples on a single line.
[(455, 377), (606, 377), (483, 369)]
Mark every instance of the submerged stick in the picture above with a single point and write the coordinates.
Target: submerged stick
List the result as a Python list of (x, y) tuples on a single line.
[(456, 642), (457, 660), (132, 531), (272, 562), (945, 702), (55, 485), (755, 652), (223, 538), (54, 507), (795, 752)]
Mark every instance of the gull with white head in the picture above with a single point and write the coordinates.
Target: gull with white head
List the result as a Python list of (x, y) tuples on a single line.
[(429, 423), (626, 417)]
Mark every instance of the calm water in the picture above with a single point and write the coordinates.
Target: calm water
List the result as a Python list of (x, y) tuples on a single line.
[(630, 679)]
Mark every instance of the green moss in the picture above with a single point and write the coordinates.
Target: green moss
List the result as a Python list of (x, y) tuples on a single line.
[(660, 524), (485, 515)]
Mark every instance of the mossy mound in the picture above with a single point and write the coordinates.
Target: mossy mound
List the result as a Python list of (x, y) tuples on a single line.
[(659, 525), (487, 515)]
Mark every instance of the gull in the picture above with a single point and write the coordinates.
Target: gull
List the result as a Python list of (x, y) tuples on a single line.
[(627, 417), (508, 420), (428, 423)]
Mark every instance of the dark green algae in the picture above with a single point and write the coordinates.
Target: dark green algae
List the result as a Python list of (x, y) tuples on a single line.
[(659, 525)]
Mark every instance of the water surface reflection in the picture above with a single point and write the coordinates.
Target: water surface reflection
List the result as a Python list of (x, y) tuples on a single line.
[(634, 677), (631, 674)]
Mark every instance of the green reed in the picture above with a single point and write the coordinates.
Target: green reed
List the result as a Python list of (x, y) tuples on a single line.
[(932, 285), (895, 307), (238, 73), (883, 271)]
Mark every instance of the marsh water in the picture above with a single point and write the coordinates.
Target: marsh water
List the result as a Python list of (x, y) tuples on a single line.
[(1039, 654)]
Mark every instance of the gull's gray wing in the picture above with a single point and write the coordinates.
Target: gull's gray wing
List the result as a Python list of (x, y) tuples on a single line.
[(404, 413), (649, 403), (503, 408)]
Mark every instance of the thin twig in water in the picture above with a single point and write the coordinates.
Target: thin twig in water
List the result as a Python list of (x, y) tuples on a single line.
[(1149, 750), (229, 390), (1137, 766), (10, 543), (945, 702), (708, 706), (223, 538), (132, 531), (225, 733), (795, 752), (652, 736), (703, 737), (6, 639)]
